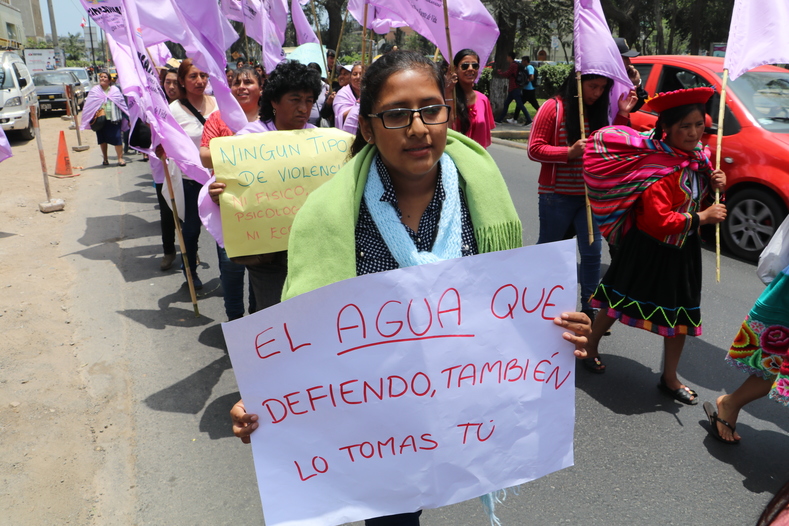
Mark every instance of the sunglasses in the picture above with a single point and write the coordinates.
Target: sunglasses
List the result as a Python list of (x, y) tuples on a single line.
[(472, 65)]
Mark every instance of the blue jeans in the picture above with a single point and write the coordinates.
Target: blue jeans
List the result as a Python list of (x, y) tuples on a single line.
[(561, 217), (515, 95), (231, 275)]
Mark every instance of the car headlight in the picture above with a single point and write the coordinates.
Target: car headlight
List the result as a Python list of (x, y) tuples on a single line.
[(14, 101)]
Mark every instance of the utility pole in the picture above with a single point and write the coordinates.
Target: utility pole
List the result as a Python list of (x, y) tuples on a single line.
[(92, 54), (54, 30)]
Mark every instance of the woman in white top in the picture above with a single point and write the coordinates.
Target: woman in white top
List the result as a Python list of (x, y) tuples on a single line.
[(190, 112)]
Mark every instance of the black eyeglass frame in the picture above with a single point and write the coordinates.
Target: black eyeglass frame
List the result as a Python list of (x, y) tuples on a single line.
[(473, 65), (380, 115)]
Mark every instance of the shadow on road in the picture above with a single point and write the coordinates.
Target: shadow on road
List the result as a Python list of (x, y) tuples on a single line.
[(192, 393), (216, 418)]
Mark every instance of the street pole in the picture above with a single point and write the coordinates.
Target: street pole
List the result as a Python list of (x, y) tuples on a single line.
[(92, 54), (54, 31)]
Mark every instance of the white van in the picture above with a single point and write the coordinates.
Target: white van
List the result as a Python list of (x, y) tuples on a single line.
[(17, 95)]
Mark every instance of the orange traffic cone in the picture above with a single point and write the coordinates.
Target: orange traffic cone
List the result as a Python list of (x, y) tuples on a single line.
[(63, 165)]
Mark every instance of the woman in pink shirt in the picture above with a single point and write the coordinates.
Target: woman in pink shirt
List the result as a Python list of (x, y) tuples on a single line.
[(474, 115)]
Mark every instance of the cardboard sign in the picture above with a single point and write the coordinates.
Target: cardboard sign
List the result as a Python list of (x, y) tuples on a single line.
[(410, 389), (269, 176)]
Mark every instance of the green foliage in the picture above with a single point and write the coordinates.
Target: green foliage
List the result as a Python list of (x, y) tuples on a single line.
[(77, 63), (72, 47), (32, 43), (551, 77), (483, 85)]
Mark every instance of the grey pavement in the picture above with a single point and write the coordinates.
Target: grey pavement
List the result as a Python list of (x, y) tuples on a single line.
[(640, 458)]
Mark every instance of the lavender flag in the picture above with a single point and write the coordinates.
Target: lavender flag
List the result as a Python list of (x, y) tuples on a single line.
[(261, 28), (5, 148), (470, 24), (596, 52), (304, 32), (758, 35)]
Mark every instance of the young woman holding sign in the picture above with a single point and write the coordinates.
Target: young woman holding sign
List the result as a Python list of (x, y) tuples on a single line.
[(285, 104), (406, 164)]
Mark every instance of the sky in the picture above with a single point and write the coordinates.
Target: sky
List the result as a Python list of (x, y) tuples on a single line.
[(68, 16)]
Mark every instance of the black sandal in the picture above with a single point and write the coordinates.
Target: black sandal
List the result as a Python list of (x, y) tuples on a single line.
[(712, 416), (594, 365), (105, 163), (684, 394)]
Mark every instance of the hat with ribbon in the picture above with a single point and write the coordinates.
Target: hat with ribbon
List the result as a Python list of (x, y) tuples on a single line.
[(671, 99)]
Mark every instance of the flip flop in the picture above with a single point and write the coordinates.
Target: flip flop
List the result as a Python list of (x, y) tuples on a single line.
[(105, 163), (594, 365), (121, 163), (712, 416), (685, 395)]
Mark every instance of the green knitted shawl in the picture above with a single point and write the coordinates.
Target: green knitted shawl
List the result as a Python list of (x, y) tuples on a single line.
[(322, 245)]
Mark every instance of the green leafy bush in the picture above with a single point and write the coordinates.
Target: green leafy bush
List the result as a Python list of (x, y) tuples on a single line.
[(483, 84), (551, 78)]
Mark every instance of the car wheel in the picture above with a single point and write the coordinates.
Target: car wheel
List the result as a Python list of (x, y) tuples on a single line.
[(28, 133), (753, 217)]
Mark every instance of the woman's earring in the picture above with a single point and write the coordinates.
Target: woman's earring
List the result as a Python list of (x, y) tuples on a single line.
[(274, 111)]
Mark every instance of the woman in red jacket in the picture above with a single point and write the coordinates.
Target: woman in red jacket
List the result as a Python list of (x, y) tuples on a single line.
[(556, 142), (650, 196)]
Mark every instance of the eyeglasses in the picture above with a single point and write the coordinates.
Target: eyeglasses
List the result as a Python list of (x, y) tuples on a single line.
[(473, 65), (403, 117)]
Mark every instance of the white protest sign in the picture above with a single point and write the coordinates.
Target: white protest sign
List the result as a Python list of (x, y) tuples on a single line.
[(410, 389)]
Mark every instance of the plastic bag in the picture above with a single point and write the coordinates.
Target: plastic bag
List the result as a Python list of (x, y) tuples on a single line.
[(775, 256)]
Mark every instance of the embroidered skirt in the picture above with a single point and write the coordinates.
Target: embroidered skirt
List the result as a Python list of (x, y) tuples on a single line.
[(760, 347), (654, 286)]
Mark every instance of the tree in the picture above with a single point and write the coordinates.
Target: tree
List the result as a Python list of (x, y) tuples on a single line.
[(72, 47)]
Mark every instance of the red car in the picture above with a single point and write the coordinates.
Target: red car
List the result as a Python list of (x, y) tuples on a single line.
[(755, 153)]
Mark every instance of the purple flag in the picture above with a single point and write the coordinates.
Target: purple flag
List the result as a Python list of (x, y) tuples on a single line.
[(757, 36), (470, 24), (233, 10), (141, 83), (379, 19), (261, 28), (160, 54), (304, 32), (5, 148), (597, 53)]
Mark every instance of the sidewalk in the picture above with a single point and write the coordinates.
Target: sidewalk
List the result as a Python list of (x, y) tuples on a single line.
[(505, 130)]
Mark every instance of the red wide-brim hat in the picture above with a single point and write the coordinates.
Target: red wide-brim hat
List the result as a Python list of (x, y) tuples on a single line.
[(671, 99)]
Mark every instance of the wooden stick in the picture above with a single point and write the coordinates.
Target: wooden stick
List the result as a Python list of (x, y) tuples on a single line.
[(320, 41), (583, 136), (337, 51), (449, 58), (721, 116), (181, 243), (364, 33)]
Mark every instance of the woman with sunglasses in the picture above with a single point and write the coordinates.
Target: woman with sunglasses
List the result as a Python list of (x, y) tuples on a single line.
[(474, 114), (413, 192)]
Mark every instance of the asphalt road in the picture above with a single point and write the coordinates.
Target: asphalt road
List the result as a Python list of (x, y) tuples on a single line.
[(640, 458)]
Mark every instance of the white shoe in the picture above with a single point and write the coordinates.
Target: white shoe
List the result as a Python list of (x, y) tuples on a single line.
[(512, 121)]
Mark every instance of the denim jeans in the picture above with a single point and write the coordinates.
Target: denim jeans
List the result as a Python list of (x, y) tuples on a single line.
[(191, 225), (561, 217), (231, 275), (515, 95), (268, 279)]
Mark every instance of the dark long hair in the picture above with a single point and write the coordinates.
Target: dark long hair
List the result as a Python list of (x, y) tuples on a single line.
[(287, 77), (375, 79), (777, 504), (461, 104), (596, 114), (671, 116)]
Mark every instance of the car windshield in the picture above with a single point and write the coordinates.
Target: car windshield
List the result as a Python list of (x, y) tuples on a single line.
[(52, 79), (766, 95), (6, 79), (81, 74)]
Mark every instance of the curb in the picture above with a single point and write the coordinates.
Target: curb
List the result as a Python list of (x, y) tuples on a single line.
[(511, 144)]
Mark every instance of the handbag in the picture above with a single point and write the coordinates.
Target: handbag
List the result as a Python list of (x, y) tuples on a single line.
[(775, 256), (140, 136), (98, 121)]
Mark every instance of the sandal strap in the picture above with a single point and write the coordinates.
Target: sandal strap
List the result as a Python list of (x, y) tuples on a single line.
[(725, 423)]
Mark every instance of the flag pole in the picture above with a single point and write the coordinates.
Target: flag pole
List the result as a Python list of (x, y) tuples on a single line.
[(721, 116), (449, 58), (318, 34), (364, 32), (181, 244), (583, 136), (337, 51)]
